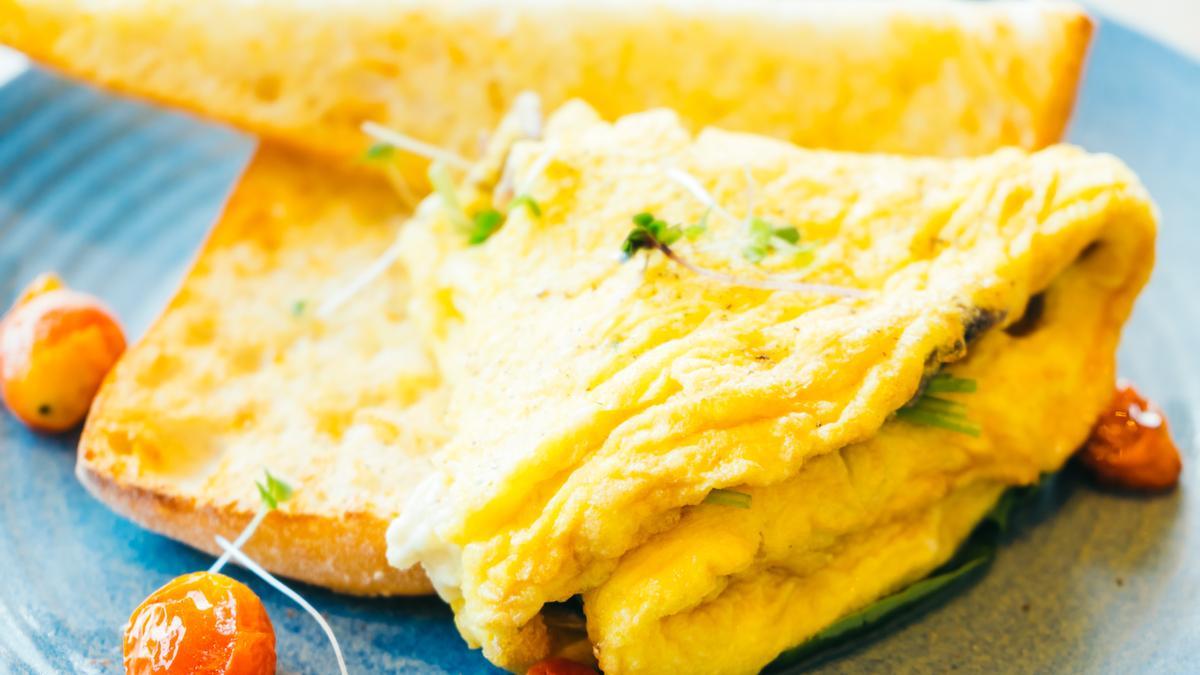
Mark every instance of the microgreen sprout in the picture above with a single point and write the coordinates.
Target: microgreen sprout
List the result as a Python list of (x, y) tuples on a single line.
[(650, 233), (765, 238), (699, 227), (528, 109), (379, 152), (653, 234), (386, 137), (361, 281), (526, 200), (273, 492), (762, 236), (483, 225), (235, 552), (689, 183), (479, 227), (443, 187)]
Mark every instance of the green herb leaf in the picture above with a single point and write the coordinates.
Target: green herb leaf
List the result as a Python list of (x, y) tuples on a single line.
[(443, 186), (945, 383), (755, 254), (766, 238), (273, 491), (699, 227), (484, 225), (943, 406), (528, 202), (789, 234), (867, 618), (669, 234), (298, 307), (732, 498), (927, 418), (873, 620), (934, 411), (638, 239), (635, 241), (379, 152), (647, 233), (1019, 499)]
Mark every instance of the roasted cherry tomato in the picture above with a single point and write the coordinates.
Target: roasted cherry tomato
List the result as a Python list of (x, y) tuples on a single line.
[(560, 666), (1130, 446), (200, 623), (56, 346)]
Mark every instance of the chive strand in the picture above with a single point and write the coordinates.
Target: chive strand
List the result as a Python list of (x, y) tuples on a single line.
[(930, 418)]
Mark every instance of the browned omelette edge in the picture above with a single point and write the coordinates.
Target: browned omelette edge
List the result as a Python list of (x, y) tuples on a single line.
[(344, 552)]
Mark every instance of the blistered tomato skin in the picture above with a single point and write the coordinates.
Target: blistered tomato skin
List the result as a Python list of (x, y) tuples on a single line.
[(1131, 446), (200, 623), (56, 346)]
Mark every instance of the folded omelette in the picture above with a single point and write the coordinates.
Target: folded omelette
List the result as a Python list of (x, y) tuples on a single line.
[(597, 405)]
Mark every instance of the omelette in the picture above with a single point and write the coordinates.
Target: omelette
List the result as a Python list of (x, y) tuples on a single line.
[(728, 391)]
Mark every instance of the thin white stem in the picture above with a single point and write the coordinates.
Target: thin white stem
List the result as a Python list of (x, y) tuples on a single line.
[(376, 268), (241, 540), (417, 147), (764, 284), (689, 182), (538, 167), (528, 106), (751, 188), (245, 561)]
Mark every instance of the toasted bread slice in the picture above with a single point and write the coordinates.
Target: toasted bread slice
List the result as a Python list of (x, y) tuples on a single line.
[(240, 374), (935, 77)]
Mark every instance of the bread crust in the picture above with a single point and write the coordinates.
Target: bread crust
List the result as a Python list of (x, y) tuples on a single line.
[(937, 78), (346, 553), (1067, 69)]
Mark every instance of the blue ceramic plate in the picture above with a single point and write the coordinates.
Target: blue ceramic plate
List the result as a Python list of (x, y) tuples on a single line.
[(117, 196)]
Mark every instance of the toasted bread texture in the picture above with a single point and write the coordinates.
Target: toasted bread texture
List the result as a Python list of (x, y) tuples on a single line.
[(933, 77), (240, 374)]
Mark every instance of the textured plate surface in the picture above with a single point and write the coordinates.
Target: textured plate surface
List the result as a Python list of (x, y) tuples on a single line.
[(117, 195)]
